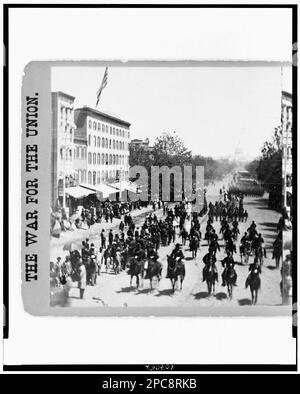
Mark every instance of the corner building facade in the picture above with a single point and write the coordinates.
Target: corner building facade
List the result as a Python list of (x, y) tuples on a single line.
[(107, 149), (63, 148)]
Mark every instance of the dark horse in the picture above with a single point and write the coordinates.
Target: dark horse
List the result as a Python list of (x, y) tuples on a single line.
[(245, 250), (194, 246), (253, 281), (154, 270), (230, 278), (260, 253), (175, 269), (136, 268), (211, 276)]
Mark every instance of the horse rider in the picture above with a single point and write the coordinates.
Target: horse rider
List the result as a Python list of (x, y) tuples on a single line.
[(195, 233), (254, 269), (252, 229), (244, 239), (228, 262), (152, 254), (227, 234), (235, 231), (152, 260), (209, 258), (230, 245), (213, 235), (177, 256), (258, 242), (177, 252), (214, 246)]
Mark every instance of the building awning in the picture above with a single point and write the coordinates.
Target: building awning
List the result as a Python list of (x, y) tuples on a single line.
[(124, 185), (105, 190), (78, 192)]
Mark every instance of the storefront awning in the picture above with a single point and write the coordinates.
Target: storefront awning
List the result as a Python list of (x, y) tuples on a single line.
[(78, 192), (124, 185), (105, 190)]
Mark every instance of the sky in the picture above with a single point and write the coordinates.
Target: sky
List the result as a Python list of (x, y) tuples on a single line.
[(213, 109)]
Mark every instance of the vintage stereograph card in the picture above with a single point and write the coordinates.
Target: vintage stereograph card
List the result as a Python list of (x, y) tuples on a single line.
[(157, 188), (150, 201)]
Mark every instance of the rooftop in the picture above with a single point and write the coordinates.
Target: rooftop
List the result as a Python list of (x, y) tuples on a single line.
[(92, 111), (287, 94), (59, 93)]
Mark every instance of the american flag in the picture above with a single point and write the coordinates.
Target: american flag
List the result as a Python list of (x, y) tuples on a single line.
[(103, 84)]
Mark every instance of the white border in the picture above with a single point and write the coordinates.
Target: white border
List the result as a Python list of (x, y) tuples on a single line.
[(36, 34)]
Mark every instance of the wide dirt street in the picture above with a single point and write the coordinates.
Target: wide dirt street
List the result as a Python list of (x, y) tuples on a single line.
[(115, 291)]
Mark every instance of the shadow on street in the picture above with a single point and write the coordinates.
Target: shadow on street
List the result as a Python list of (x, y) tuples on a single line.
[(244, 301)]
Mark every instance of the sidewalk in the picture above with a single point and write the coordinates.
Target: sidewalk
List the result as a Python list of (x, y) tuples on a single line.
[(79, 235)]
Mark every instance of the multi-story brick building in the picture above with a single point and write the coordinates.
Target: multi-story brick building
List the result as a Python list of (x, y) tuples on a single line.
[(63, 174), (80, 159), (107, 139)]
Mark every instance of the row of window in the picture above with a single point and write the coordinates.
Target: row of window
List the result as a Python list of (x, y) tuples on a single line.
[(96, 177), (65, 112), (105, 159), (112, 130), (107, 143), (66, 153), (80, 153)]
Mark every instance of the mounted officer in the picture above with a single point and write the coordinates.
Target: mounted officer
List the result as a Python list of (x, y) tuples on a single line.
[(228, 262)]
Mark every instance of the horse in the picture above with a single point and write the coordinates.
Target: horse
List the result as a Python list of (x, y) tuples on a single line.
[(235, 232), (211, 276), (230, 246), (117, 262), (184, 236), (259, 253), (194, 246), (214, 246), (154, 270), (136, 268), (245, 251), (175, 270), (254, 282), (230, 278)]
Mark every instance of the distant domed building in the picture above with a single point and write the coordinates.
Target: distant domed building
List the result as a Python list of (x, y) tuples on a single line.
[(239, 155)]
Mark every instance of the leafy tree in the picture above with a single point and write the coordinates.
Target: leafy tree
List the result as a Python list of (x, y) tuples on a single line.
[(169, 150), (138, 155), (268, 168)]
